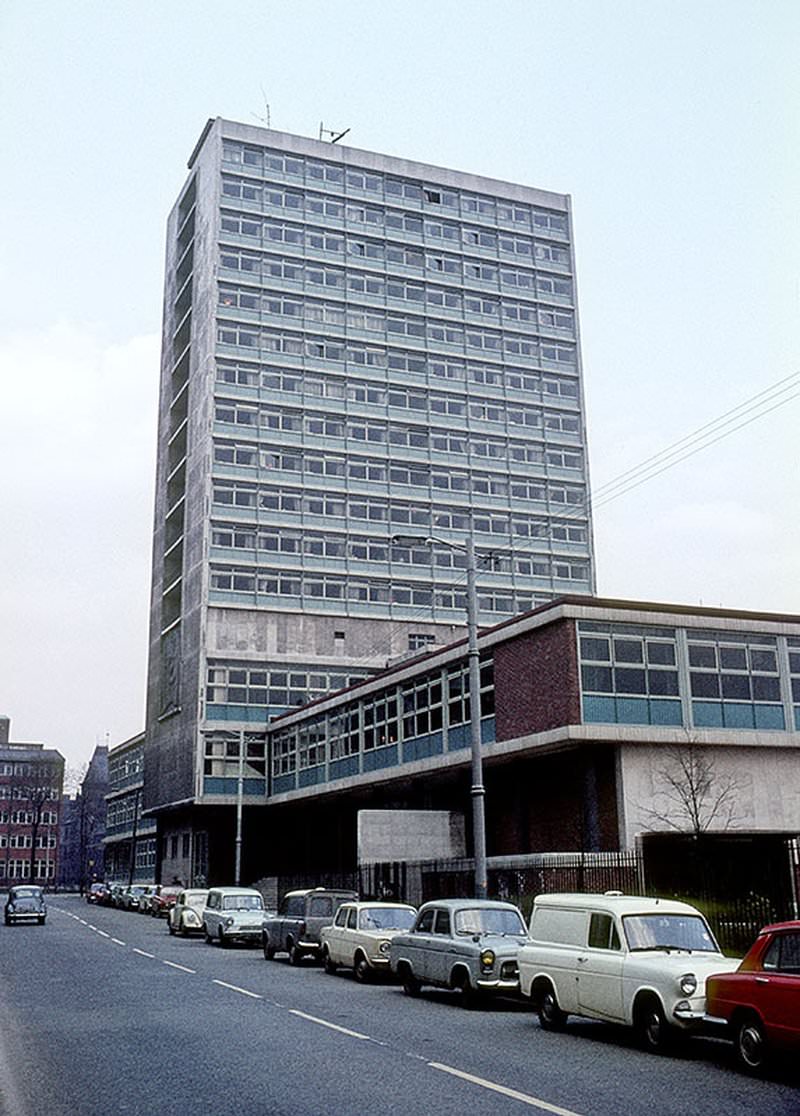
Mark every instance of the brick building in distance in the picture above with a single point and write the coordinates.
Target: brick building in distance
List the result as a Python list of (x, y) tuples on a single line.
[(31, 782)]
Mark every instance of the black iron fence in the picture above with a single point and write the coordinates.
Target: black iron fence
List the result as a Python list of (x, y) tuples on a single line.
[(741, 882)]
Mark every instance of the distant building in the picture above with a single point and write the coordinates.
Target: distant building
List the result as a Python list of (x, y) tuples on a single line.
[(129, 840), (356, 348), (83, 826), (31, 782)]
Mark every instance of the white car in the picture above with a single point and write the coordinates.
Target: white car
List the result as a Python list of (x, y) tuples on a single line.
[(361, 936), (186, 916), (233, 914), (620, 958)]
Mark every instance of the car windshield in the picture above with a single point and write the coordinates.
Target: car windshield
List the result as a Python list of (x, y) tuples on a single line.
[(26, 893), (242, 903), (386, 918), (195, 898), (667, 932), (486, 920)]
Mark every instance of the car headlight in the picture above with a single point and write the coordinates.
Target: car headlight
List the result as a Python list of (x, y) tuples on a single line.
[(384, 947), (190, 916), (487, 959), (228, 922), (688, 984)]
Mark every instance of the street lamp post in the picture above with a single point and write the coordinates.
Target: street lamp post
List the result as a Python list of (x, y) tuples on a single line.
[(478, 791)]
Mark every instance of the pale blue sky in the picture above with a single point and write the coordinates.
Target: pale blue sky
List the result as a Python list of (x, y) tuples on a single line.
[(674, 126)]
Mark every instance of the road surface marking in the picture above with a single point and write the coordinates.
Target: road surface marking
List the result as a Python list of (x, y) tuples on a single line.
[(235, 988), (534, 1102), (103, 934), (175, 965), (333, 1026), (143, 953), (117, 941)]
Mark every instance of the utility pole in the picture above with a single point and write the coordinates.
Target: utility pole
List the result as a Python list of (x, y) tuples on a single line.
[(478, 791), (237, 876)]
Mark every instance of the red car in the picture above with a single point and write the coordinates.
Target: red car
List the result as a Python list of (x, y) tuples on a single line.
[(759, 1003), (163, 902)]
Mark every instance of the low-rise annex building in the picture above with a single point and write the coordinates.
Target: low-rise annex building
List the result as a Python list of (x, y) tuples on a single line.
[(31, 782), (586, 703)]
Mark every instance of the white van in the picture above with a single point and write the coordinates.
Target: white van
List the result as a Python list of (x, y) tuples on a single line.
[(621, 958)]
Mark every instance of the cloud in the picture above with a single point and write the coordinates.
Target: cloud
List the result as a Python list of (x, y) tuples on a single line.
[(77, 462)]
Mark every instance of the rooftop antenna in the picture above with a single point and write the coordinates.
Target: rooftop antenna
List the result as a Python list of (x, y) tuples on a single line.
[(335, 136), (263, 119)]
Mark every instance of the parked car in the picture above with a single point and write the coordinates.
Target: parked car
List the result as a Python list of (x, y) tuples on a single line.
[(129, 899), (296, 928), (233, 914), (97, 893), (186, 916), (620, 958), (758, 1005), (467, 945), (161, 904), (146, 896), (361, 935), (116, 894), (25, 903)]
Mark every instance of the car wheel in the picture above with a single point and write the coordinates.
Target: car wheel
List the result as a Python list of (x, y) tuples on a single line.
[(652, 1027), (222, 941), (466, 993), (750, 1045), (551, 1017), (295, 955), (41, 920), (209, 939), (411, 986), (269, 950), (328, 965), (361, 969), (172, 929), (7, 920)]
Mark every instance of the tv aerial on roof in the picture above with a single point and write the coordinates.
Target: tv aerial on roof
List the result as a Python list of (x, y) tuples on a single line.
[(263, 119), (335, 136)]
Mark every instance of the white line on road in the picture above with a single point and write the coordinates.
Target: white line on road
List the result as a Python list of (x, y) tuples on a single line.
[(143, 953), (333, 1026), (235, 988), (117, 941), (103, 934), (534, 1102), (175, 965)]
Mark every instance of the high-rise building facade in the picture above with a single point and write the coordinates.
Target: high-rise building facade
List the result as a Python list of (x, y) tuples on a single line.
[(356, 348)]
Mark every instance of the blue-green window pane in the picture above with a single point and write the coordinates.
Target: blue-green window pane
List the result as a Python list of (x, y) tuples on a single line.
[(632, 711), (599, 710), (666, 713), (770, 717), (797, 717), (707, 714), (737, 715)]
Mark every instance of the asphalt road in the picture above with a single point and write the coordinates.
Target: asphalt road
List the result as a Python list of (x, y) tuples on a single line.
[(103, 1013)]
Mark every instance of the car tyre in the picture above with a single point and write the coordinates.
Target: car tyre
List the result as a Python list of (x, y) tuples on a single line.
[(328, 964), (295, 954), (41, 920), (652, 1027), (551, 1017), (361, 969), (269, 950), (411, 986), (222, 941), (172, 929), (750, 1045), (467, 995), (209, 939)]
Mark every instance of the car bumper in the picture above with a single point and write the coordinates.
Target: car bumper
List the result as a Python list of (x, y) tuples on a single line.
[(687, 1016), (249, 932), (497, 985), (26, 916)]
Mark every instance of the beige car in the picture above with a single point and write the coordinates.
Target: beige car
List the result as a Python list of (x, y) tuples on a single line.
[(361, 935), (186, 917)]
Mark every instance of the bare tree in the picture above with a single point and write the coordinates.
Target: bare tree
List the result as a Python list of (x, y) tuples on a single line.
[(34, 792), (689, 793)]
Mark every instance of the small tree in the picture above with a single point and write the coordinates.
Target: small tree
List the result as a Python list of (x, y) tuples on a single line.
[(34, 792), (690, 794)]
